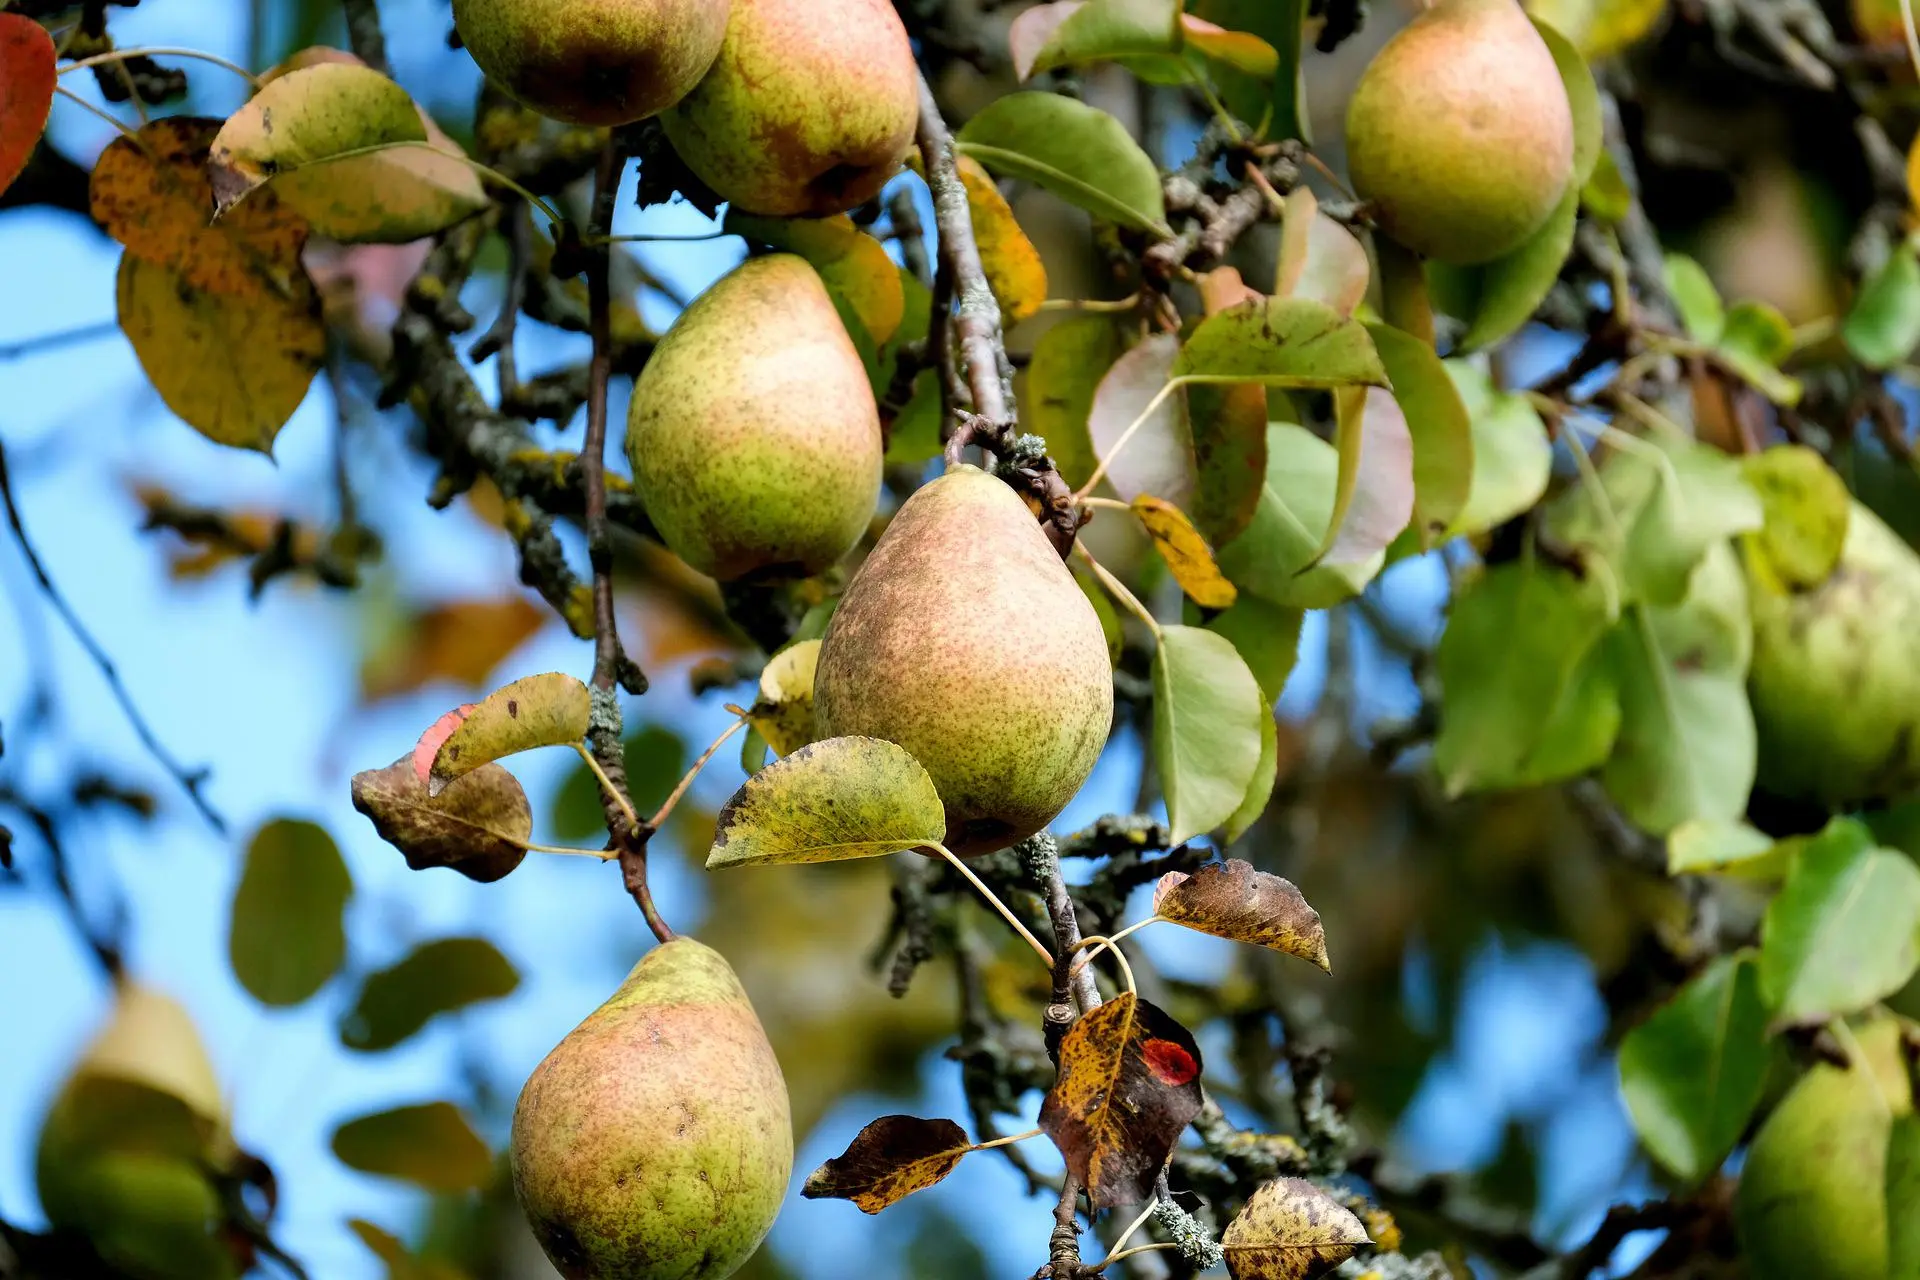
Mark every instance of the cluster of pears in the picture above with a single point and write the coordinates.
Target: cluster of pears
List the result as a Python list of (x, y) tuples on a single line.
[(1459, 133), (782, 107)]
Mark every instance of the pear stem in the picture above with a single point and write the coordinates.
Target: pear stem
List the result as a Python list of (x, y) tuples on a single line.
[(992, 898), (666, 806)]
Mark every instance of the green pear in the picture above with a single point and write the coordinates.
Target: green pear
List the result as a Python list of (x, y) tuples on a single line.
[(654, 1142), (128, 1151), (1459, 133), (1835, 680), (753, 433), (809, 109), (964, 639), (593, 62), (1812, 1201)]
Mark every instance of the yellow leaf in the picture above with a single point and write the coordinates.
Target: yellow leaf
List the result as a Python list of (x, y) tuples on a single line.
[(854, 266), (784, 712), (1014, 270), (233, 366), (1599, 28), (1185, 552), (548, 710)]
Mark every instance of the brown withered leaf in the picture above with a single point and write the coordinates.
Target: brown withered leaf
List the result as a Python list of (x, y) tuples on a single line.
[(1290, 1230), (548, 710), (478, 825), (1128, 1084), (1232, 900), (1186, 552), (889, 1160)]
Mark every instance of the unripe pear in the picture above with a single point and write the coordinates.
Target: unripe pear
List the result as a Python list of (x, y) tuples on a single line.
[(753, 433), (655, 1141), (1835, 680), (964, 639), (808, 111), (1812, 1202), (593, 62), (1459, 133)]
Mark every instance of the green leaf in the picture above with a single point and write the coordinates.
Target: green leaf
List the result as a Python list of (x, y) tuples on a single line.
[(1884, 326), (1583, 96), (1701, 846), (1693, 1072), (1265, 778), (1228, 426), (1693, 294), (430, 1145), (1806, 508), (1495, 299), (1274, 558), (1903, 1198), (288, 935), (439, 977), (1207, 709), (1512, 457), (1606, 194), (1755, 339), (1105, 30), (1437, 421), (1279, 98), (1844, 930), (1268, 638), (1370, 436), (392, 1251), (550, 710), (1517, 639), (1687, 747), (834, 799), (1069, 360), (1283, 342), (1081, 154)]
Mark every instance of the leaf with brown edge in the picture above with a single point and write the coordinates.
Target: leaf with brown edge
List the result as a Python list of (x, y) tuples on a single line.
[(151, 192), (1128, 1085), (889, 1160), (1232, 900), (27, 80), (783, 713), (479, 825), (1187, 554), (550, 710), (1290, 1230), (1014, 270)]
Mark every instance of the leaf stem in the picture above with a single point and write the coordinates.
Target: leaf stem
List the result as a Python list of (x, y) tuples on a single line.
[(992, 898), (160, 51), (1102, 943), (1110, 942), (111, 119), (666, 806), (1112, 1258), (1103, 306), (1007, 1141), (1153, 1202), (607, 787), (660, 239), (1118, 589), (600, 855), (1126, 437)]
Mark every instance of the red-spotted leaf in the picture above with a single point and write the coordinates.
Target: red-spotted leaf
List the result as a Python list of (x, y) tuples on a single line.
[(889, 1160), (1128, 1084), (1290, 1230), (1232, 900), (479, 825), (550, 710), (27, 79)]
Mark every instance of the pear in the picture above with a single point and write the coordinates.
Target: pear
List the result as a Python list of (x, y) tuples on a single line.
[(964, 639), (128, 1150), (593, 62), (808, 111), (753, 432), (654, 1142), (1812, 1201), (1459, 133), (1835, 680)]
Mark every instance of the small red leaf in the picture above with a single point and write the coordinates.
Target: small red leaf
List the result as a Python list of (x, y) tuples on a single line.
[(27, 80)]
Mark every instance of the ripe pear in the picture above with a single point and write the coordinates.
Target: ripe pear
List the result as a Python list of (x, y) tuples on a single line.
[(753, 433), (655, 1142), (964, 639), (808, 111), (1835, 680), (1459, 133), (126, 1153), (593, 62), (1812, 1202)]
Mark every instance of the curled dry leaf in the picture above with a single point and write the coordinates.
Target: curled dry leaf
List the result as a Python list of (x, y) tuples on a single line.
[(783, 714), (478, 825), (1128, 1084), (889, 1160), (836, 799), (1232, 900), (1290, 1230), (27, 80), (1187, 554), (1014, 270), (550, 710)]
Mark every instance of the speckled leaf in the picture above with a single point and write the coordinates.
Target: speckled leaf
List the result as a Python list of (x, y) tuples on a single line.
[(1128, 1085), (1844, 930), (1285, 342), (1158, 456), (287, 935), (1499, 297), (853, 265), (550, 710), (1290, 1230), (1229, 429), (1319, 258), (835, 799), (1069, 361), (1187, 554), (1805, 507), (1206, 728), (479, 825), (151, 192), (1078, 152), (1014, 270), (437, 977), (27, 80), (233, 366), (890, 1159), (1437, 424), (783, 713), (430, 1145), (1232, 900)]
